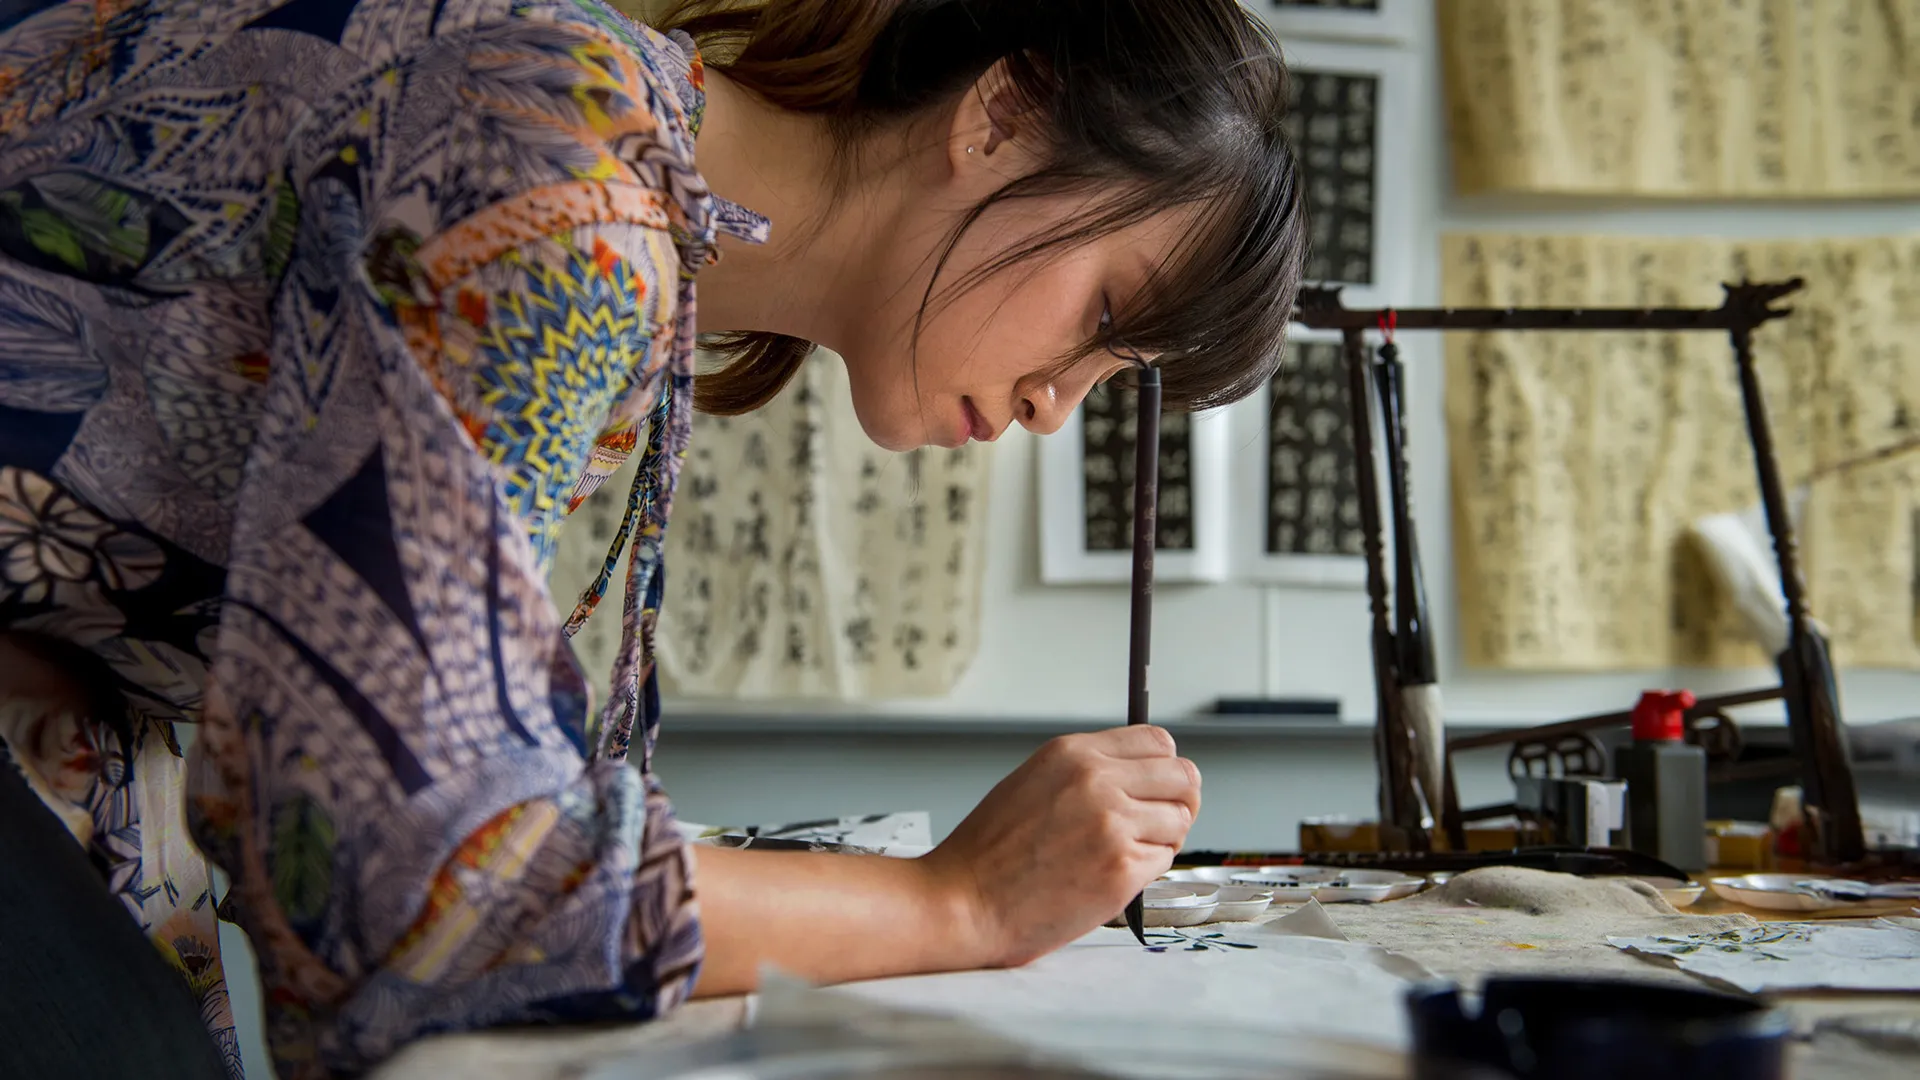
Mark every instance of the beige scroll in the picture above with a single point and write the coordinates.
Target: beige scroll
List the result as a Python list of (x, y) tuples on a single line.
[(801, 560), (1579, 459), (1687, 98)]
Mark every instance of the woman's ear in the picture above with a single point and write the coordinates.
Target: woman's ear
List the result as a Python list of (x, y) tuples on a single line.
[(993, 118), (1002, 114)]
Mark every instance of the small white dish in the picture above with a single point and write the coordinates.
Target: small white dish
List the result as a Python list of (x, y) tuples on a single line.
[(1168, 904), (1331, 885), (1208, 875), (1287, 878), (1684, 895), (1241, 903), (1397, 883), (1675, 891), (1193, 915), (1772, 892), (1167, 894), (1363, 892)]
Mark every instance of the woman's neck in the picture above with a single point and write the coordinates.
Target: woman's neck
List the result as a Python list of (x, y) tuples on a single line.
[(779, 163)]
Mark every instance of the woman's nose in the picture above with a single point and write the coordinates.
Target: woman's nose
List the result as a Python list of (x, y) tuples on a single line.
[(1045, 402)]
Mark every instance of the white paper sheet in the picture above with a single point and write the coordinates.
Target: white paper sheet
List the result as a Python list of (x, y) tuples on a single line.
[(1295, 978), (906, 834), (1794, 956)]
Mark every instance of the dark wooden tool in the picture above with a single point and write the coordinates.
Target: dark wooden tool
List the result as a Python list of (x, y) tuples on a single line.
[(1806, 668), (1414, 668), (1146, 526), (1807, 682), (1402, 825)]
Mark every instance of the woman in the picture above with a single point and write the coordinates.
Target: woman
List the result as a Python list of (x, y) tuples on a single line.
[(316, 318)]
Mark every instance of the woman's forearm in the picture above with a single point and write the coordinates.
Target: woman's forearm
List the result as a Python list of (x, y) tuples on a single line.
[(1056, 848), (828, 918)]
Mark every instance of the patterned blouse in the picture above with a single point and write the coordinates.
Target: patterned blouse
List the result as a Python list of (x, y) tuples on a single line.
[(316, 319)]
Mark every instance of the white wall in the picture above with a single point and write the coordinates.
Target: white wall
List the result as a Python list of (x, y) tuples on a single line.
[(1062, 650), (1257, 787)]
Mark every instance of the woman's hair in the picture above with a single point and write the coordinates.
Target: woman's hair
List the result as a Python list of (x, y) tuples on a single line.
[(1147, 105)]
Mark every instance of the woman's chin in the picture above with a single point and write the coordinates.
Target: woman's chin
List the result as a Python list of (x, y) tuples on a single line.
[(889, 433), (895, 442)]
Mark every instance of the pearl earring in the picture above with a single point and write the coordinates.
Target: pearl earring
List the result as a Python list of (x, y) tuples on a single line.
[(969, 149)]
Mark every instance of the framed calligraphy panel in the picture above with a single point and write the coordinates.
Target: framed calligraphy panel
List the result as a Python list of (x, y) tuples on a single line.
[(1350, 123), (1343, 20), (1086, 495), (1294, 484)]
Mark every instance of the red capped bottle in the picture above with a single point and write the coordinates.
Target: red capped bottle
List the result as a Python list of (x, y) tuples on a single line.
[(1666, 782)]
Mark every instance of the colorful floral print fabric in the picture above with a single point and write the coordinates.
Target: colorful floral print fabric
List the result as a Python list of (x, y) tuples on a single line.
[(316, 319)]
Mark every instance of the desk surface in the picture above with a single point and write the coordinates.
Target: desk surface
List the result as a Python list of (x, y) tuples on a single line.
[(550, 1054)]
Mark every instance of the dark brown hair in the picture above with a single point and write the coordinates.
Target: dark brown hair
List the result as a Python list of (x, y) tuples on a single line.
[(1153, 104)]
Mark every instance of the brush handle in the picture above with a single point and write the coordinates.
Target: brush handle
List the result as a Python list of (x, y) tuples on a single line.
[(1146, 526), (1145, 531)]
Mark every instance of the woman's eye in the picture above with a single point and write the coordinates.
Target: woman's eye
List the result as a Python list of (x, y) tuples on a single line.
[(1106, 314)]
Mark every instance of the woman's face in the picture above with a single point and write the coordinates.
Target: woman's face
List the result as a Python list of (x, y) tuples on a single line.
[(988, 357)]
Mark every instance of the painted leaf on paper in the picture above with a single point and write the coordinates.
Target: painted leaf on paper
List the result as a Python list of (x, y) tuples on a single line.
[(1216, 940)]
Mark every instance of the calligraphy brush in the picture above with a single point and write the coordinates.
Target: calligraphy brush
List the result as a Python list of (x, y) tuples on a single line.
[(1738, 550), (1146, 522), (1415, 670)]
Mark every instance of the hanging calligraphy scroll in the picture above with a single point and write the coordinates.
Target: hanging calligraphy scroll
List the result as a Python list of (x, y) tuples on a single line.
[(802, 561), (1686, 98), (1579, 460)]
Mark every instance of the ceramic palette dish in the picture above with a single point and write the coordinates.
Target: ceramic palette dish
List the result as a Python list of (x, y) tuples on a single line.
[(1330, 885), (1237, 903), (1241, 903), (1205, 875), (1289, 884), (1675, 891), (1773, 892), (1848, 889), (1171, 904)]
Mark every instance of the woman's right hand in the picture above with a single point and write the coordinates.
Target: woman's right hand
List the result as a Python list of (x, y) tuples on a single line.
[(1065, 841)]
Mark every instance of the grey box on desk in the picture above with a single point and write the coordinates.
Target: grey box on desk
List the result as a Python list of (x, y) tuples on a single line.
[(1584, 811), (1666, 801)]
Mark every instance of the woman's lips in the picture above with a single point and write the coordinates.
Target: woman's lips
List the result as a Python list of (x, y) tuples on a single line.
[(977, 426)]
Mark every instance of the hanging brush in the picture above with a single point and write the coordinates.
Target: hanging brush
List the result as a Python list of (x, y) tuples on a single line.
[(1414, 667), (1739, 550)]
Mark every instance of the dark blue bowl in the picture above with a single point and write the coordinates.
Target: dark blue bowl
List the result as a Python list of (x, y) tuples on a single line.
[(1604, 1029)]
